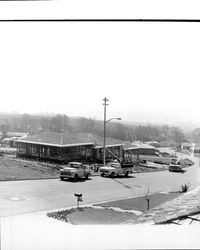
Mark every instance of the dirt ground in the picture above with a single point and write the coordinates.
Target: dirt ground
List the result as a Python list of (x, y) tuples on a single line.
[(12, 168)]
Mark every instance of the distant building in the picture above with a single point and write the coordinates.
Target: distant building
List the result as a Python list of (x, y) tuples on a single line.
[(154, 144), (1, 135), (17, 134), (196, 149), (139, 148), (11, 138), (187, 146), (135, 149), (193, 148)]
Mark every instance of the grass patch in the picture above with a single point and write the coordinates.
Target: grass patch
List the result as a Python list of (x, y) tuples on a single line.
[(139, 203)]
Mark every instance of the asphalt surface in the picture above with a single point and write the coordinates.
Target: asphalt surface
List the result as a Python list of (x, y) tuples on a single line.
[(20, 197)]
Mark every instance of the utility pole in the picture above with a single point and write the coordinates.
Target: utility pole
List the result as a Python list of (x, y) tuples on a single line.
[(147, 198), (104, 131)]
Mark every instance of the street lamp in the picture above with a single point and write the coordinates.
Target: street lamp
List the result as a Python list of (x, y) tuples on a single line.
[(116, 118), (104, 130)]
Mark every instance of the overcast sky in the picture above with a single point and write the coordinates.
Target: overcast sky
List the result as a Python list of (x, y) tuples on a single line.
[(150, 72)]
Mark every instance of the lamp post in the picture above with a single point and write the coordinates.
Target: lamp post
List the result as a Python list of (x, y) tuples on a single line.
[(104, 129)]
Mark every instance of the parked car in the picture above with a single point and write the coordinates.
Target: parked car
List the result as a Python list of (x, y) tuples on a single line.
[(175, 168), (186, 162), (75, 170)]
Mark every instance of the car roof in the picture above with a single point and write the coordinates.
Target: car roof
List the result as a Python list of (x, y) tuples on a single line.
[(73, 162)]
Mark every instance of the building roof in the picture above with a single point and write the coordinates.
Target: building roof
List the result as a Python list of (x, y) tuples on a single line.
[(58, 139), (129, 146), (148, 142), (187, 144), (8, 139), (109, 145), (67, 139), (110, 142), (17, 134)]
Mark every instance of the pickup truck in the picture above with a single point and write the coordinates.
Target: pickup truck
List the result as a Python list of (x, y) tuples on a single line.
[(75, 170), (113, 169)]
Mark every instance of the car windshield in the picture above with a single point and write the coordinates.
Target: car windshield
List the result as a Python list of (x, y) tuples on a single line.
[(113, 165), (73, 165)]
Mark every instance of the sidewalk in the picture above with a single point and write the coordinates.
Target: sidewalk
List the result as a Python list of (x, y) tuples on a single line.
[(30, 232), (186, 205)]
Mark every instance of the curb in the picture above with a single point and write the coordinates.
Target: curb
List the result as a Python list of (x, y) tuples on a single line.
[(32, 179), (179, 215)]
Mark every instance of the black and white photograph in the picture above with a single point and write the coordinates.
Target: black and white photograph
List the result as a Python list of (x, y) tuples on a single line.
[(99, 125)]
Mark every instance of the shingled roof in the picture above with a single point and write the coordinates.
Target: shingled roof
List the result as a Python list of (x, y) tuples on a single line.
[(67, 139), (98, 141), (58, 139)]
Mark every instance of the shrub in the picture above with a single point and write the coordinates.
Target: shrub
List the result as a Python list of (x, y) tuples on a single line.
[(63, 214), (184, 188)]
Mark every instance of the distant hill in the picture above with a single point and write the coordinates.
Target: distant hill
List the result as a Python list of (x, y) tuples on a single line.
[(186, 127), (122, 130)]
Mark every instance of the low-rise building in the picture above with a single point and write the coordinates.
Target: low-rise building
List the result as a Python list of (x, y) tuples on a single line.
[(55, 146), (187, 146), (193, 148), (154, 144), (65, 147), (139, 148), (133, 150), (11, 137), (196, 149), (17, 134)]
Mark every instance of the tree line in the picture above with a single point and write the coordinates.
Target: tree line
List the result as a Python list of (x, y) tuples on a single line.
[(34, 124)]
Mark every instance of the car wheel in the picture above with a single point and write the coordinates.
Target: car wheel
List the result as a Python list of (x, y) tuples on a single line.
[(126, 174), (87, 176), (75, 177), (112, 175), (102, 174), (61, 178)]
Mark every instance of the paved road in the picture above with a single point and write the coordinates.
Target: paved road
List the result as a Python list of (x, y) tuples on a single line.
[(20, 197)]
